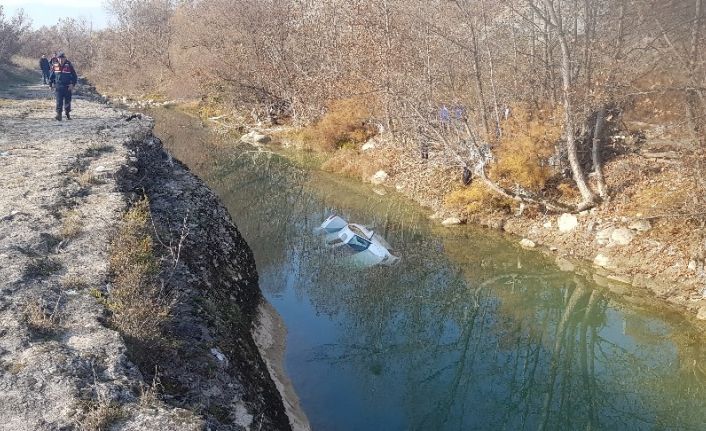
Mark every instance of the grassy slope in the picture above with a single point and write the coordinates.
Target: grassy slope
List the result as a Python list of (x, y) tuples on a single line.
[(18, 72)]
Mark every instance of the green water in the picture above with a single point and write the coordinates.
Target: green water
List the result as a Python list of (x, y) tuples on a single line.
[(469, 331)]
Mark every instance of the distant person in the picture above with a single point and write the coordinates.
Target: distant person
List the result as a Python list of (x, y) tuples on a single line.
[(63, 78), (444, 116), (459, 113), (54, 60), (44, 65)]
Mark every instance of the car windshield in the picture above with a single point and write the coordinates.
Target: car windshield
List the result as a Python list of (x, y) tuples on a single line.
[(357, 243)]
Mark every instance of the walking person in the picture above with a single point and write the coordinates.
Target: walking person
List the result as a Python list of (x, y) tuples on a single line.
[(44, 65), (63, 78)]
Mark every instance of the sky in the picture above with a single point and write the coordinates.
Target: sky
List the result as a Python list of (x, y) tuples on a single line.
[(48, 12)]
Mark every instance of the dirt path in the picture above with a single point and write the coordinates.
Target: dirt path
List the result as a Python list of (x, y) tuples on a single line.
[(59, 365)]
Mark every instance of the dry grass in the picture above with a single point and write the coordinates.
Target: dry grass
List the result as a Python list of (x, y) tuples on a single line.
[(71, 225), (73, 282), (99, 415), (475, 199), (343, 126), (42, 318), (354, 164), (139, 307), (87, 179), (149, 395), (529, 137), (569, 192)]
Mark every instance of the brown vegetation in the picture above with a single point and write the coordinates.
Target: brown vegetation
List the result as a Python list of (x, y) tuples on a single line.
[(526, 94), (344, 125), (139, 307)]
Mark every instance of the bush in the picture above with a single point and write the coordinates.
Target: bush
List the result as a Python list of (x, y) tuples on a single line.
[(529, 138), (343, 125), (477, 198)]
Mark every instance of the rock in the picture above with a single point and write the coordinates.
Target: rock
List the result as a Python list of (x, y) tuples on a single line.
[(527, 243), (701, 315), (564, 264), (254, 137), (451, 221), (437, 215), (601, 260), (368, 146), (261, 139), (622, 236), (547, 225), (567, 222), (692, 265), (603, 235), (379, 191), (218, 354), (640, 225), (379, 177)]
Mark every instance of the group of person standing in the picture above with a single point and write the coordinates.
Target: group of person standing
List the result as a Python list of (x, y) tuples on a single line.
[(61, 76)]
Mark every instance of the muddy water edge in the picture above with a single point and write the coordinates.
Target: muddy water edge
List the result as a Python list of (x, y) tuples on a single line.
[(469, 332)]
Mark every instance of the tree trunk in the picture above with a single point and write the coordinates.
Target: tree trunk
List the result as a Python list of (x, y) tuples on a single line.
[(694, 100), (596, 153), (479, 81), (587, 196), (496, 109)]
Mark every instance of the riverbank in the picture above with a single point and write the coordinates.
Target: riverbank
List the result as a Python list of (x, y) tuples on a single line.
[(66, 359), (636, 239)]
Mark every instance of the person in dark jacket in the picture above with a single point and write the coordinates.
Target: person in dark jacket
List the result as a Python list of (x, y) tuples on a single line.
[(63, 78), (44, 65)]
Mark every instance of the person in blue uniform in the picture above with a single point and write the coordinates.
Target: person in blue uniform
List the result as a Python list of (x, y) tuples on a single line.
[(63, 78), (44, 65)]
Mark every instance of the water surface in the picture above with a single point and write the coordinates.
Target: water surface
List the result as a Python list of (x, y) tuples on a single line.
[(469, 331)]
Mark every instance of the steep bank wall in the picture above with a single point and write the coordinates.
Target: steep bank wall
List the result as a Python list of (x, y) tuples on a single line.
[(62, 363)]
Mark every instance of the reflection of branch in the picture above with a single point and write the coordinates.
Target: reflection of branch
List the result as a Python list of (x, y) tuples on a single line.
[(578, 294)]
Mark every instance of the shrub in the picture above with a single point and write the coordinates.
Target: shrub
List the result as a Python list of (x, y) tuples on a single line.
[(477, 198), (343, 125), (529, 137)]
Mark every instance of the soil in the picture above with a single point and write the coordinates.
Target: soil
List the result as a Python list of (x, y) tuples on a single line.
[(66, 186)]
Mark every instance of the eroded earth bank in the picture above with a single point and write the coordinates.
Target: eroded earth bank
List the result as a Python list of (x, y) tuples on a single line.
[(128, 297)]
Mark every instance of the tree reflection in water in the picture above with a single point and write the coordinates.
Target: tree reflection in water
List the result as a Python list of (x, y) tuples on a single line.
[(468, 332)]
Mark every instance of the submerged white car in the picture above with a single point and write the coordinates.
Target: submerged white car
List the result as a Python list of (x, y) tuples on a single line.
[(364, 247)]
